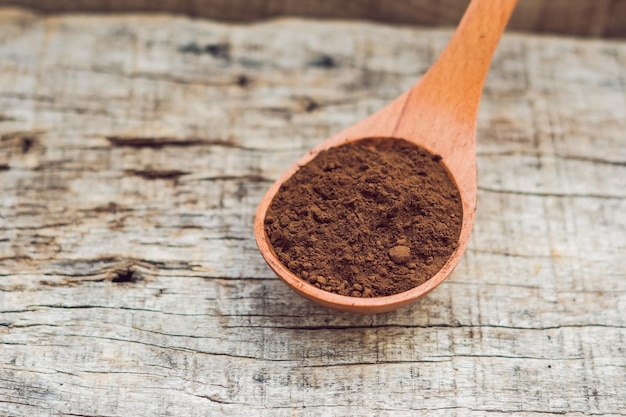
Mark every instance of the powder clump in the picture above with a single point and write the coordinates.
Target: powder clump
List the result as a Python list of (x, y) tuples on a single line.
[(400, 254), (368, 219)]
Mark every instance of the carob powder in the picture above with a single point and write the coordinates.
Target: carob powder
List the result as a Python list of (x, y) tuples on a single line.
[(368, 219)]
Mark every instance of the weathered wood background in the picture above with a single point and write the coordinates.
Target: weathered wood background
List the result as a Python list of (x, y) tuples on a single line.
[(133, 152), (572, 17)]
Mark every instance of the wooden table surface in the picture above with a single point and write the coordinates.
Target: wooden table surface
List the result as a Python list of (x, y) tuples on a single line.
[(133, 153)]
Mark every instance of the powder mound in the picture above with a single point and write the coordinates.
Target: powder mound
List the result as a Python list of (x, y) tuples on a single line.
[(368, 219)]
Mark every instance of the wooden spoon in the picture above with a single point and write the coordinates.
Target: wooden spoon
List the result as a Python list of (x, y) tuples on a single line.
[(439, 114)]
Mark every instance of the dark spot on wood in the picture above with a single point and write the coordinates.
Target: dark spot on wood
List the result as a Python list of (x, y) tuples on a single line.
[(323, 61), (260, 378), (216, 50), (310, 105), (126, 275), (20, 138), (4, 167), (27, 143), (154, 174), (107, 208), (190, 48), (21, 141), (5, 118), (241, 192), (243, 81)]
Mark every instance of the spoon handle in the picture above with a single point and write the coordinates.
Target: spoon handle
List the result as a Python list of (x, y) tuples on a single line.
[(449, 93)]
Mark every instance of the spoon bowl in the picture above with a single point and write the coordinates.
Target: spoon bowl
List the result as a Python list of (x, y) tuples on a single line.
[(438, 114)]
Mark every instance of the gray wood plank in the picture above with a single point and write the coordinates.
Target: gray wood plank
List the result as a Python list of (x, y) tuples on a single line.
[(133, 153)]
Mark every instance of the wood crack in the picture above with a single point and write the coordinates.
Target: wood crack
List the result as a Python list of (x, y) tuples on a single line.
[(552, 194), (161, 142), (4, 401), (591, 160), (157, 174)]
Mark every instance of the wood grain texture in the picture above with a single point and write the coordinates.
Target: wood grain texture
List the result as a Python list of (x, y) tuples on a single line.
[(580, 17), (133, 153)]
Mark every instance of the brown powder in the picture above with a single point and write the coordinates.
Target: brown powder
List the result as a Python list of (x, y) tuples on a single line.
[(369, 219)]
